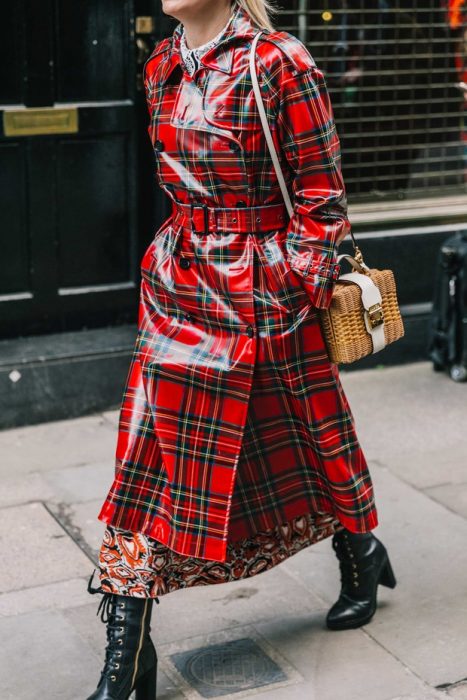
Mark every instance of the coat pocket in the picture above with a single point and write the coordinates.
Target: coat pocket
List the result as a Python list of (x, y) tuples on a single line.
[(278, 291), (297, 297)]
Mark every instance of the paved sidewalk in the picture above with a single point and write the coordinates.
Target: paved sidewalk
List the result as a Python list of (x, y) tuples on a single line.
[(412, 424)]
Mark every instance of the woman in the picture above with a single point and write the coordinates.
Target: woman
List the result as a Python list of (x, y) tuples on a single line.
[(236, 446)]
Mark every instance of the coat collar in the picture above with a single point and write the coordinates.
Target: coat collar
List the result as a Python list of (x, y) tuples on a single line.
[(219, 57)]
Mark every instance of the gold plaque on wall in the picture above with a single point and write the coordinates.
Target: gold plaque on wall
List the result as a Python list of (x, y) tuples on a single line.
[(41, 120), (144, 25)]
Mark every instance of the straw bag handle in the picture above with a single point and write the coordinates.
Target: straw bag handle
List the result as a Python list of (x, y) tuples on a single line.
[(358, 265), (272, 150)]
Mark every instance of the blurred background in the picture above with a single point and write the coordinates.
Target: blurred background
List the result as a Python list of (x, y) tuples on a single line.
[(79, 204)]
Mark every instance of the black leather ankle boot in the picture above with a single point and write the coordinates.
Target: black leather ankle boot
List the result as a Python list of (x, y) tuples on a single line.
[(364, 563), (130, 656)]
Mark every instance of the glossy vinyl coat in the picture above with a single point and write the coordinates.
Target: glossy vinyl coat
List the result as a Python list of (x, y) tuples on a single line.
[(233, 420)]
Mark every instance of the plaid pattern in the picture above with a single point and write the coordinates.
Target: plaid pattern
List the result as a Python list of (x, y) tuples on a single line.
[(233, 420)]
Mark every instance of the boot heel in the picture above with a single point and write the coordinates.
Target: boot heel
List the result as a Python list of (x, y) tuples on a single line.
[(146, 686), (387, 577)]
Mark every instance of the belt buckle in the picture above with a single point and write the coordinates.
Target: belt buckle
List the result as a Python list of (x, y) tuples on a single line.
[(205, 218)]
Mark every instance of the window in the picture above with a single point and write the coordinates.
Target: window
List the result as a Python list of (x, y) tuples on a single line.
[(397, 79)]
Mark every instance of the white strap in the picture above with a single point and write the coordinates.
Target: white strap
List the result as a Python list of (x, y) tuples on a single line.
[(266, 129), (359, 267), (371, 297)]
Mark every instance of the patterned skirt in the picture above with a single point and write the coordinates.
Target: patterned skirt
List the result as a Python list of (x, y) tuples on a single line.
[(134, 564)]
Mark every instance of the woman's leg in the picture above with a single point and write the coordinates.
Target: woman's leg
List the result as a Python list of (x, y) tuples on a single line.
[(130, 657)]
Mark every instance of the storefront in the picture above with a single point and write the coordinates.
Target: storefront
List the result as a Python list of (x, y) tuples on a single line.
[(396, 71), (77, 198)]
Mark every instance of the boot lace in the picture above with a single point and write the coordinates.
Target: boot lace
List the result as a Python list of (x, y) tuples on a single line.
[(348, 564), (108, 608)]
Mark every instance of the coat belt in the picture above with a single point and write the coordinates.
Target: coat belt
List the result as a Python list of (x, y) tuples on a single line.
[(201, 219)]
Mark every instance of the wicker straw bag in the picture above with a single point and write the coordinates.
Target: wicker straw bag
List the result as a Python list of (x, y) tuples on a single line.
[(364, 314)]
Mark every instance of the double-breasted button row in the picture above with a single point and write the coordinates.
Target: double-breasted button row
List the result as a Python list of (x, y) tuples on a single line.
[(250, 331), (184, 263)]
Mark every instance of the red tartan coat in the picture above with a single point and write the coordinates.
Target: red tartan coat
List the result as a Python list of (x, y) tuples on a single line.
[(233, 420)]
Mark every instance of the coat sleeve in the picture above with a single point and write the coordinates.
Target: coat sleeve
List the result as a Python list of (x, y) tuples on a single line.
[(310, 142)]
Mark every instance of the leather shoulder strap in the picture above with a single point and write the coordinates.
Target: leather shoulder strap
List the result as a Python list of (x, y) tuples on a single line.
[(266, 129)]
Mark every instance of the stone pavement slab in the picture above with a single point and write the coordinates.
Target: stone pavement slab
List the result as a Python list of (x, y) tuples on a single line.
[(58, 444), (317, 664), (59, 485), (341, 665), (82, 483), (59, 595), (45, 658), (35, 549), (422, 621), (80, 520), (411, 420), (452, 496), (19, 489)]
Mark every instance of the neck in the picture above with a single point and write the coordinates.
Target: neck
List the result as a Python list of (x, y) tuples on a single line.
[(203, 27)]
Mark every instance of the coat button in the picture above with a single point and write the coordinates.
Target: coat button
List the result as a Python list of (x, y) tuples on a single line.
[(241, 203), (188, 317), (235, 146), (159, 145), (184, 263), (250, 331)]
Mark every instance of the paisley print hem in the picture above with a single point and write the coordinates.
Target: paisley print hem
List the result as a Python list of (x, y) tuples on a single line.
[(136, 565)]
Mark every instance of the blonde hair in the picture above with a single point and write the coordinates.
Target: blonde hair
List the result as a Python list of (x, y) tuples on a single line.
[(259, 11)]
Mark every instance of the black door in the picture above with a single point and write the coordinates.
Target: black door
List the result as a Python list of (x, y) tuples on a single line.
[(77, 199)]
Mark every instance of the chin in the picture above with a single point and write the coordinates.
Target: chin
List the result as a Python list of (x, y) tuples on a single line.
[(177, 5), (186, 7)]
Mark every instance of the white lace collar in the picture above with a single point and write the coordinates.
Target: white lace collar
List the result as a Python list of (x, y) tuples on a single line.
[(191, 56)]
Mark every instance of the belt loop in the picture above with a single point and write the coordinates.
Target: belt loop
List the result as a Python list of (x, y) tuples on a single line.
[(205, 217)]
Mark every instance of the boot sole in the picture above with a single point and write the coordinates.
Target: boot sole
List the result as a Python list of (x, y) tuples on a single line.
[(352, 624)]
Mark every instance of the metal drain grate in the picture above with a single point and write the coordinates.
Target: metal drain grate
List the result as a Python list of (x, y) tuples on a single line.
[(227, 668)]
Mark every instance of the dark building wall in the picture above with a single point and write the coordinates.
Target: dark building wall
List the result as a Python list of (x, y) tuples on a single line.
[(79, 203)]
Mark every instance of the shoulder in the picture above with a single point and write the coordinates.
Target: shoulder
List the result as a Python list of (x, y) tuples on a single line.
[(283, 51), (157, 55)]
